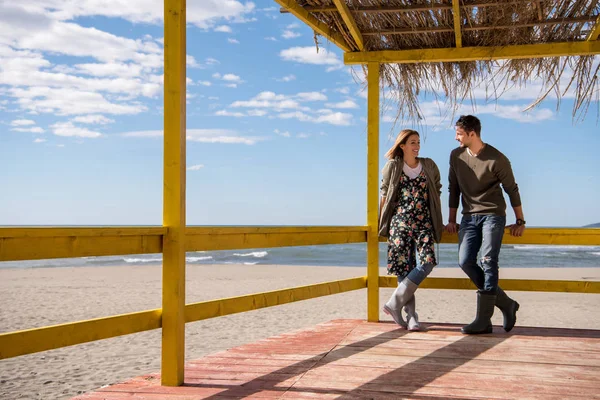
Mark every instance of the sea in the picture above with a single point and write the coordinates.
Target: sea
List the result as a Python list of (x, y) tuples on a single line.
[(343, 255)]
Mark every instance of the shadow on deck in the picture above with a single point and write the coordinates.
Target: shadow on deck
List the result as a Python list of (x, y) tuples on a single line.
[(355, 359)]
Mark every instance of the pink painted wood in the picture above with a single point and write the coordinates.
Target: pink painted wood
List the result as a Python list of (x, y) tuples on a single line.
[(355, 359)]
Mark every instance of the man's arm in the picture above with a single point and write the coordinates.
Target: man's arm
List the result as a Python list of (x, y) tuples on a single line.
[(517, 230), (453, 199), (507, 178)]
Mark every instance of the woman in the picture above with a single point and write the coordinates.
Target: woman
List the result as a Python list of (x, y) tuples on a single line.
[(411, 219)]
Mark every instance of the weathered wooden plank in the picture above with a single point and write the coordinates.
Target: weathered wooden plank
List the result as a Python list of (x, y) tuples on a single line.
[(357, 360)]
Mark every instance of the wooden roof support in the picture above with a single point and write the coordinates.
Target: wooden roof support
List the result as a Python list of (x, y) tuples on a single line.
[(350, 23), (585, 48), (456, 15), (315, 24), (593, 35)]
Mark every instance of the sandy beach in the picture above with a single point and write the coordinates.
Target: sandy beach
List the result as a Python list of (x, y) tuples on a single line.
[(46, 296)]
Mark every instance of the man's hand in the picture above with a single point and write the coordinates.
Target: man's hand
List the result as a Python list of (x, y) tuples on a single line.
[(516, 230), (452, 227)]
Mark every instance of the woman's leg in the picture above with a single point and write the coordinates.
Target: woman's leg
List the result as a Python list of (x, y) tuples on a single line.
[(427, 260), (400, 246)]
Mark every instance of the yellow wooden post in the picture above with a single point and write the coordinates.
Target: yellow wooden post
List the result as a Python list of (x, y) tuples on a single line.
[(373, 192), (173, 302)]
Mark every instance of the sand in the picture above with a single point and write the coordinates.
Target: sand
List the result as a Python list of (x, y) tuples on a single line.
[(46, 296)]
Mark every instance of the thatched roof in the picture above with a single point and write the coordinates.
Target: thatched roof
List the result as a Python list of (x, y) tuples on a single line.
[(431, 24)]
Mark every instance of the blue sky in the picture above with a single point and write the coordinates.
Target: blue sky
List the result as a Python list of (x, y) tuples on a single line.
[(276, 131)]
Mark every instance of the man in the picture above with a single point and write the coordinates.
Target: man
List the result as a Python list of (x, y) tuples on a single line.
[(476, 171)]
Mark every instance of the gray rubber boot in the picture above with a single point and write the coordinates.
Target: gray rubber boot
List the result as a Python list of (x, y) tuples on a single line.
[(485, 309), (509, 309), (411, 315), (403, 293)]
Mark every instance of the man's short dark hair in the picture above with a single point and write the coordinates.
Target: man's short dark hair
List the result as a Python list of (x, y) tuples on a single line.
[(469, 123)]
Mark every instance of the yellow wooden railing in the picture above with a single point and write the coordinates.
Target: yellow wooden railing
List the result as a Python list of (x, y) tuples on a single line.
[(45, 243)]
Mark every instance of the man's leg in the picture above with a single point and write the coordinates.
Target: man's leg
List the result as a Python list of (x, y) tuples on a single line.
[(470, 239), (469, 242), (493, 232)]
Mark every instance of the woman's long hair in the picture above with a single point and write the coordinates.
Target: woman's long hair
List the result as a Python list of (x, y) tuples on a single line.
[(396, 150)]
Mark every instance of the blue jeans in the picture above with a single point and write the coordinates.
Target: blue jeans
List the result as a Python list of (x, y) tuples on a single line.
[(483, 232)]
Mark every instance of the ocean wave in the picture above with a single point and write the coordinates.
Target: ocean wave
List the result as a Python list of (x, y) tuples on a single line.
[(595, 253), (193, 259), (251, 263), (142, 260), (553, 247), (257, 254)]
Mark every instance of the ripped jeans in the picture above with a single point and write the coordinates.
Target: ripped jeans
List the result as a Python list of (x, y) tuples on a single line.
[(483, 232)]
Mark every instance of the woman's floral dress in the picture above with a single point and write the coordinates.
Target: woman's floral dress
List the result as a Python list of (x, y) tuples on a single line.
[(411, 227)]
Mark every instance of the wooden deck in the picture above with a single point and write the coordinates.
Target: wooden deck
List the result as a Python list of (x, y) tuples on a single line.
[(355, 359)]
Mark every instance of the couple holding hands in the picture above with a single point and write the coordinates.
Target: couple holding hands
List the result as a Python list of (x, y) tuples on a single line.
[(410, 217)]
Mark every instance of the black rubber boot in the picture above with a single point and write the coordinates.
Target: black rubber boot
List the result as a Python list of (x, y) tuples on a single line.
[(509, 309), (485, 309)]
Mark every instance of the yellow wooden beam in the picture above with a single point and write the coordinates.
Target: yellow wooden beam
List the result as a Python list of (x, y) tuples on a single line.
[(173, 302), (350, 23), (524, 285), (206, 239), (584, 48), (595, 31), (544, 236), (372, 191), (547, 236), (43, 243), (13, 344), (318, 26), (233, 305), (17, 244), (457, 24)]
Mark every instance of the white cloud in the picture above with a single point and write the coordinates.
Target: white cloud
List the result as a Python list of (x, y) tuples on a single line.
[(231, 78), (271, 38), (287, 34), (343, 104), (39, 140), (257, 113), (284, 134), (437, 113), (292, 26), (203, 14), (191, 62), (196, 167), (22, 122), (292, 105), (225, 113), (233, 41), (343, 90), (309, 55), (93, 119), (35, 129), (223, 28), (204, 136), (338, 118), (67, 101), (303, 135), (311, 96), (70, 130), (204, 83), (287, 78)]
